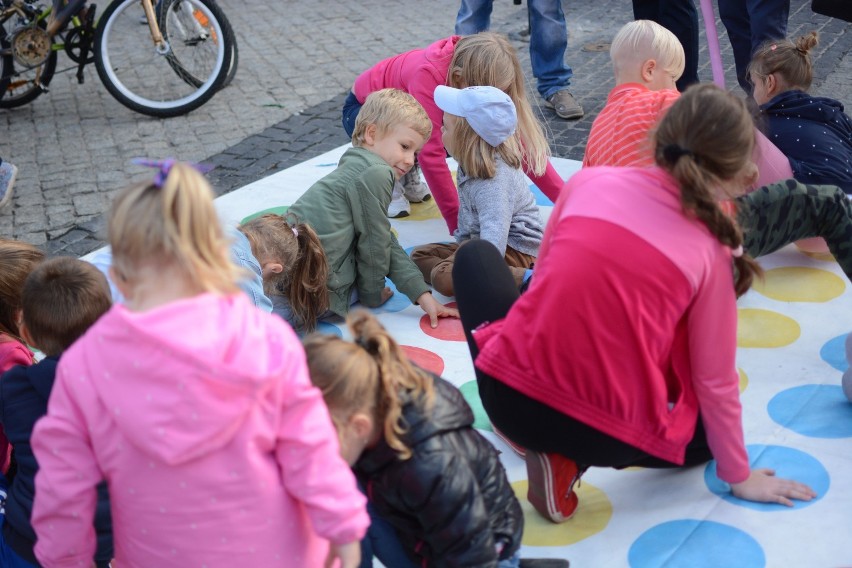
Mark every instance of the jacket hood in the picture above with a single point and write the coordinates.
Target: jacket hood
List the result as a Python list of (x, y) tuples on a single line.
[(801, 105), (180, 380), (442, 51)]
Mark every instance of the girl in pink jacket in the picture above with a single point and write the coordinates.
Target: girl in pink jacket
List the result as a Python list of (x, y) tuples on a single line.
[(483, 59), (194, 406)]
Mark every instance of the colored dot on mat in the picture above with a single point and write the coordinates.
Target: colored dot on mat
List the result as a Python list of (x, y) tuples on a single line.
[(397, 302), (449, 329), (834, 352), (765, 328), (281, 210), (592, 516), (788, 463), (691, 543), (817, 411), (470, 391), (329, 328), (424, 359), (800, 284), (743, 380), (423, 211), (540, 198)]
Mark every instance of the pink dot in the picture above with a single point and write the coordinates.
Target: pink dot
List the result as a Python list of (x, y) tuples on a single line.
[(424, 358), (449, 329)]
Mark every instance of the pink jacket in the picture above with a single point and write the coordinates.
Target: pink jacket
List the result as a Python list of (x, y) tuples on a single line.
[(12, 352), (418, 72), (217, 449), (630, 323)]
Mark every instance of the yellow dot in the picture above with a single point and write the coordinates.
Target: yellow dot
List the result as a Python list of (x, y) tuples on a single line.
[(800, 284), (765, 328), (743, 380), (422, 211), (592, 516)]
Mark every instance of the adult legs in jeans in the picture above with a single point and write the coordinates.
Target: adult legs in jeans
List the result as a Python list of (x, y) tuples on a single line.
[(750, 23), (681, 18), (780, 213), (474, 16)]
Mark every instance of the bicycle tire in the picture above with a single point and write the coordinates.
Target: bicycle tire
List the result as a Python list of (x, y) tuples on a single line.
[(148, 82), (15, 91), (177, 25)]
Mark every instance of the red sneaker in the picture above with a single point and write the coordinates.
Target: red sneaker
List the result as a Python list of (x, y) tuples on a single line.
[(520, 450), (551, 479)]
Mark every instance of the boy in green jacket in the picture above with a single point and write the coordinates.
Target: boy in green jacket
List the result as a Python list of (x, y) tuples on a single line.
[(347, 208)]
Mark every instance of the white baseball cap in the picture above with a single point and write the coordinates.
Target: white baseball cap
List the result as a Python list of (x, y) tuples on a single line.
[(489, 111)]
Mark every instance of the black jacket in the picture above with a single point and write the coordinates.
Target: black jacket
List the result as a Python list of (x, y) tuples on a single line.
[(24, 392), (451, 501)]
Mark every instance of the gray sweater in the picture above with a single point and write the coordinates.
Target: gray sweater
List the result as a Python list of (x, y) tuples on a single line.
[(500, 210)]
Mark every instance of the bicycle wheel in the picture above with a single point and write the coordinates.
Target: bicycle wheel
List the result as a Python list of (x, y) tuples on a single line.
[(20, 85), (149, 81), (183, 23)]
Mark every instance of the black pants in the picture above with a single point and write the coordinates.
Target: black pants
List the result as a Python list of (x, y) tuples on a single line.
[(680, 18), (485, 291)]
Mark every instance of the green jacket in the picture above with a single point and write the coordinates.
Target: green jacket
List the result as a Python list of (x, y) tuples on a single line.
[(347, 208)]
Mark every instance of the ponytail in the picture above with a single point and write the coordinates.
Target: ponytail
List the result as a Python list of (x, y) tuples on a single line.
[(307, 285)]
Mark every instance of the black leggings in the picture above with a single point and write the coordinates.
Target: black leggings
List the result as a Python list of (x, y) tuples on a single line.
[(485, 290)]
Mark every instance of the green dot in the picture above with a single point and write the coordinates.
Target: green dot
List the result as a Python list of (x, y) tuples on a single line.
[(470, 390), (281, 210)]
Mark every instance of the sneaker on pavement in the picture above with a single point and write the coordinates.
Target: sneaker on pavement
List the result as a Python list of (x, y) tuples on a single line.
[(520, 450), (399, 205), (544, 563), (551, 479), (8, 173), (413, 187), (565, 106)]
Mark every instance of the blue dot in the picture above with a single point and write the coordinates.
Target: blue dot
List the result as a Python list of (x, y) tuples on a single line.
[(397, 302), (329, 328), (834, 352), (788, 463), (540, 198), (695, 544), (817, 411)]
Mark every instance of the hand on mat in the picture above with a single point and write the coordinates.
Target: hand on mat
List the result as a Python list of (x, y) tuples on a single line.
[(435, 309), (763, 486), (349, 555)]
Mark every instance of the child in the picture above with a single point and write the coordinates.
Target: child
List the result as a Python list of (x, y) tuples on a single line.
[(776, 214), (410, 437), (347, 208), (814, 132), (290, 265), (194, 406), (495, 202), (62, 298), (639, 261), (481, 59), (17, 260)]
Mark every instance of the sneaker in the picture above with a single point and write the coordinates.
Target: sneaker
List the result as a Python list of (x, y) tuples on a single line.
[(8, 173), (414, 189), (565, 106), (520, 450), (399, 205), (551, 479)]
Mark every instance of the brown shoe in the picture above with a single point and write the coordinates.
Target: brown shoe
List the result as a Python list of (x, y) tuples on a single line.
[(565, 106)]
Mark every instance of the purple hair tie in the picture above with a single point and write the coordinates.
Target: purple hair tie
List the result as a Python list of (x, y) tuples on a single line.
[(164, 167)]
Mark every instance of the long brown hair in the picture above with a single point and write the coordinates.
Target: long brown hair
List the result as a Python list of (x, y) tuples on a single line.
[(790, 61), (297, 248), (371, 374), (17, 260), (706, 138)]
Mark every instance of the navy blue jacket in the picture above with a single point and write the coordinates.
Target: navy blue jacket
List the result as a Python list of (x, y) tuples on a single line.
[(815, 134), (24, 392)]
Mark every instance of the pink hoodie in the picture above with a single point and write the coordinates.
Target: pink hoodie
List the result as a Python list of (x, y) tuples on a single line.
[(418, 72), (216, 447)]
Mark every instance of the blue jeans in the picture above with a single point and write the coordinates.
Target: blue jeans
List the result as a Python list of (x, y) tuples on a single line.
[(750, 23), (548, 39), (351, 108)]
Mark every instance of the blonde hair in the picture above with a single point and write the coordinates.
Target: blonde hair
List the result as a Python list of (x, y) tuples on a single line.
[(705, 137), (17, 260), (176, 223), (640, 40), (297, 248), (792, 61), (476, 156), (371, 375), (387, 109), (488, 59)]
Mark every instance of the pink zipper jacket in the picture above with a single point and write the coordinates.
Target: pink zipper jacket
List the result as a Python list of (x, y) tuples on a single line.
[(217, 449)]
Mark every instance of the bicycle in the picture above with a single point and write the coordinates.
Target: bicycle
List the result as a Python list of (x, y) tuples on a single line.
[(172, 63)]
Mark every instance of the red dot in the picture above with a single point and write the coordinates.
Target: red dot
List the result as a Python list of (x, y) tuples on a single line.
[(424, 358), (449, 329)]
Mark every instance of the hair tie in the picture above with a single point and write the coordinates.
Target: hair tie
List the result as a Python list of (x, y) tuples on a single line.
[(773, 47), (165, 166), (295, 232), (673, 152), (737, 252)]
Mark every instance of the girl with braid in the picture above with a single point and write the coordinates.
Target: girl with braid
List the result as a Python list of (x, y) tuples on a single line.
[(636, 262)]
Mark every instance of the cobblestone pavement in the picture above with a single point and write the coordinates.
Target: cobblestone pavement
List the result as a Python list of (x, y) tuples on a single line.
[(298, 60)]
